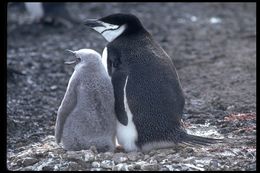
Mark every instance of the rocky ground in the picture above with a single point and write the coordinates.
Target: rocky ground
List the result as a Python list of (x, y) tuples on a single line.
[(213, 47)]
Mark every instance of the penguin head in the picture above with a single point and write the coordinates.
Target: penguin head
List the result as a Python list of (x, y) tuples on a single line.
[(114, 25), (83, 56)]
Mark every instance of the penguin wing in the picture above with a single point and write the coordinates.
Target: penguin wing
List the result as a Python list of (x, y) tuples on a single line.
[(118, 81), (67, 105), (118, 76)]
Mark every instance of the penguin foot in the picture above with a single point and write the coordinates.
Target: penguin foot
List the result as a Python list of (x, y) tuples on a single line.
[(119, 149)]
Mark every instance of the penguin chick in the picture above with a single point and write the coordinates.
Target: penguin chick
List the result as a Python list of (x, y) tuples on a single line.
[(86, 115), (50, 13), (149, 99)]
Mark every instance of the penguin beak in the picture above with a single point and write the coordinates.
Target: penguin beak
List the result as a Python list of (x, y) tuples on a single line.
[(93, 23), (71, 51), (73, 61)]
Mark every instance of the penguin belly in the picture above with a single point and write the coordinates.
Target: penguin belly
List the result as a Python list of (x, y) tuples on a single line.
[(127, 135)]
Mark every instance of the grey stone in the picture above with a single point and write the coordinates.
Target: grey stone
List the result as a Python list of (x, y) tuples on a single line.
[(96, 169), (48, 168), (170, 167), (74, 166), (74, 155), (134, 156), (94, 149), (119, 158), (134, 167), (89, 156), (120, 167), (29, 161), (28, 168), (95, 164), (108, 155), (146, 156), (153, 160), (214, 163), (104, 156), (163, 169), (107, 164), (150, 167)]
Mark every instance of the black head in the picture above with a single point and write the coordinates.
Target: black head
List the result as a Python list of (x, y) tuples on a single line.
[(116, 24), (132, 22)]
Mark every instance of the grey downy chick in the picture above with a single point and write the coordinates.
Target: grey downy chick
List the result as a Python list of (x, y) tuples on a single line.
[(86, 115)]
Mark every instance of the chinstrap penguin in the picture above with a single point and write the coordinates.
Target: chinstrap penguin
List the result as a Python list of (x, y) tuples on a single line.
[(86, 115), (149, 100)]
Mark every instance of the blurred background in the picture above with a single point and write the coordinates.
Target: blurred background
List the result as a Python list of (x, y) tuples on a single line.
[(213, 46)]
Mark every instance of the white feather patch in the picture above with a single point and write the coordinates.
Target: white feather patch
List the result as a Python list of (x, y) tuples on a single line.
[(127, 135), (110, 32), (104, 58)]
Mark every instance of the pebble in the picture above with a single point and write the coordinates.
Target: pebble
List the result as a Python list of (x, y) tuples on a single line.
[(119, 158), (146, 156), (169, 167), (134, 167), (153, 161), (188, 150), (75, 155), (48, 168), (96, 169), (164, 169), (95, 164), (107, 164), (134, 156), (108, 155), (252, 167), (150, 167), (89, 156), (29, 161), (104, 156), (54, 87), (73, 166), (194, 167), (28, 168), (214, 163), (120, 167), (94, 149)]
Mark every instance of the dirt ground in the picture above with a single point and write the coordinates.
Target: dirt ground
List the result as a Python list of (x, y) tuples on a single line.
[(213, 46)]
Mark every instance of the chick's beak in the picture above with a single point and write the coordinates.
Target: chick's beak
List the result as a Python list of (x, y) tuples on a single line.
[(73, 61)]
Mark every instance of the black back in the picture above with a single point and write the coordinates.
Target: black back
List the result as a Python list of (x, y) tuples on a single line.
[(153, 91)]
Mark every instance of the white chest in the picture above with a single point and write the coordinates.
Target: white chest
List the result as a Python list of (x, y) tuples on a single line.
[(104, 58), (127, 135)]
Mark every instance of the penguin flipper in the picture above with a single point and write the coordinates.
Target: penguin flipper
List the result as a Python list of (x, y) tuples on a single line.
[(67, 105), (118, 81)]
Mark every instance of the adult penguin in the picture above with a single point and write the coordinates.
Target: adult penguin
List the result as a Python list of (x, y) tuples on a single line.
[(149, 100)]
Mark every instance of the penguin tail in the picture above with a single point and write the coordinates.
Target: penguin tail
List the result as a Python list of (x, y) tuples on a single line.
[(198, 140)]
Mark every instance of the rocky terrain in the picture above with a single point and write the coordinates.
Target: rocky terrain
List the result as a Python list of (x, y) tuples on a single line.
[(213, 46)]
